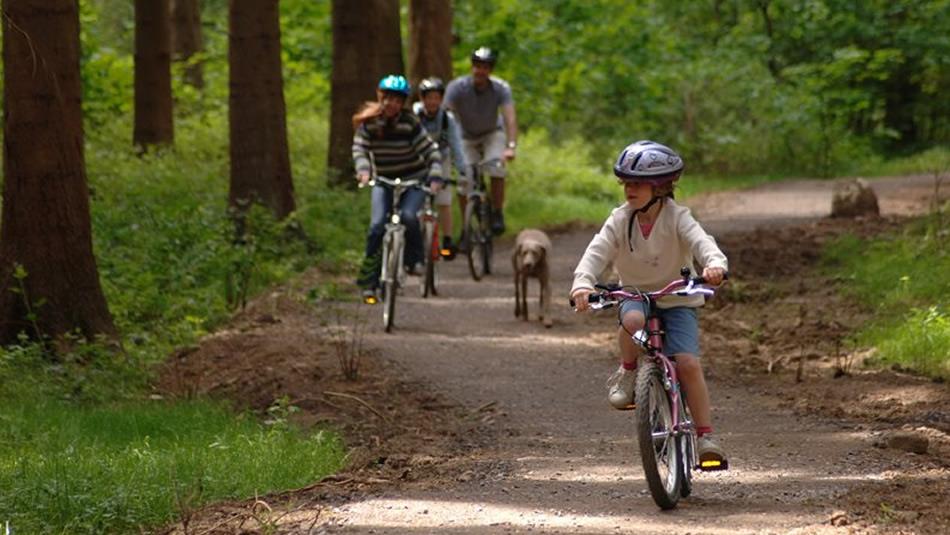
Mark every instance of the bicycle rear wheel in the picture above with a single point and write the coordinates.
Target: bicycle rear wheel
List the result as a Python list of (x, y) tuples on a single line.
[(430, 249), (659, 447), (392, 251), (476, 239)]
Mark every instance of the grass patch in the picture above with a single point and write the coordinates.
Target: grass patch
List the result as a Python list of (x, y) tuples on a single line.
[(558, 183), (903, 280), (118, 468)]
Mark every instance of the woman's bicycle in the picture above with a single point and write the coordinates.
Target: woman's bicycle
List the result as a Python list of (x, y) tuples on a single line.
[(392, 276), (476, 226), (665, 430)]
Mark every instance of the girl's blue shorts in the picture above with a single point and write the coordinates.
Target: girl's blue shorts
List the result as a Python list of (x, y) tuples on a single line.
[(680, 323)]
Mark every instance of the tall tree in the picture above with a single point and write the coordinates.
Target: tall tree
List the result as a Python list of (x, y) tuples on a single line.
[(153, 84), (430, 39), (366, 45), (49, 283), (260, 161), (187, 40)]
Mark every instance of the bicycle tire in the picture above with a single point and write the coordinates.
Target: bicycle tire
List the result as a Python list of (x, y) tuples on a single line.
[(687, 445), (429, 249), (392, 251), (488, 233), (475, 248), (659, 451)]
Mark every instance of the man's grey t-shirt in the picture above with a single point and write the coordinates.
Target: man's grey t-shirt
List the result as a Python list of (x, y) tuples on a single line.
[(477, 110)]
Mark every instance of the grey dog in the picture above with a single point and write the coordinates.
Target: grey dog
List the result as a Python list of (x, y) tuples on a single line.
[(530, 259)]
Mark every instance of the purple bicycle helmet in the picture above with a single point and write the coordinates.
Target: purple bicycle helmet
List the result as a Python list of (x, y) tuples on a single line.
[(648, 161)]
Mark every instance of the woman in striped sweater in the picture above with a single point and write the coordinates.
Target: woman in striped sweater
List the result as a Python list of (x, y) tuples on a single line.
[(391, 142)]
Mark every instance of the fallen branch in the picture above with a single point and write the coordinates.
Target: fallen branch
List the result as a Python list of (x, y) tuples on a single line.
[(358, 400)]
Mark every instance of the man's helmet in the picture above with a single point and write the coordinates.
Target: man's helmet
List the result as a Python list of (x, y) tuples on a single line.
[(648, 161), (485, 55), (431, 84), (395, 83)]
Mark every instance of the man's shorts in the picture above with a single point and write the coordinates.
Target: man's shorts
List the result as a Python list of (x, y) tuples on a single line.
[(681, 325), (488, 149)]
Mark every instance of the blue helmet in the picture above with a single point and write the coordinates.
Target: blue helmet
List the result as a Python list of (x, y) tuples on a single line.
[(395, 83)]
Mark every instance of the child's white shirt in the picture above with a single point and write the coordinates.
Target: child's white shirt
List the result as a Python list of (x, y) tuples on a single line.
[(676, 240)]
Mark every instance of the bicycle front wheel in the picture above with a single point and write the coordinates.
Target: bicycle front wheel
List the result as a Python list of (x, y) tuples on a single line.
[(476, 238), (430, 249), (392, 251), (488, 233), (687, 448), (659, 447)]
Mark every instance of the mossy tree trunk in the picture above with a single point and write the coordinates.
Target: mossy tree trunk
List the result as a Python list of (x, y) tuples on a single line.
[(430, 40), (366, 46), (153, 83), (260, 160), (49, 282), (187, 40)]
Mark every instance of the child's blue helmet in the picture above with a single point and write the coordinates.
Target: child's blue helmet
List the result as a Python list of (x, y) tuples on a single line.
[(395, 83), (648, 161)]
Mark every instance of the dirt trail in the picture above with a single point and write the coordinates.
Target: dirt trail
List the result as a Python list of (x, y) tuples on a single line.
[(554, 458)]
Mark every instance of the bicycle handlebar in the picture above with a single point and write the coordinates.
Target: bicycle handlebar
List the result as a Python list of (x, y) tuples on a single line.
[(611, 295)]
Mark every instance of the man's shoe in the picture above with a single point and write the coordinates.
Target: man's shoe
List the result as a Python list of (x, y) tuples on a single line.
[(711, 456), (620, 387), (369, 296), (448, 249), (497, 222)]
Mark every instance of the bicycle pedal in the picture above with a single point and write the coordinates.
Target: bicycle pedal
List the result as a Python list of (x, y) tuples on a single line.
[(713, 465)]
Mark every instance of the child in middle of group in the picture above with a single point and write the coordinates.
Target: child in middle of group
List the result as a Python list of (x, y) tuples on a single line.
[(443, 128), (649, 239)]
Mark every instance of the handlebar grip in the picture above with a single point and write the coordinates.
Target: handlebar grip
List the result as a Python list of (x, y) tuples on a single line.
[(591, 298), (701, 280)]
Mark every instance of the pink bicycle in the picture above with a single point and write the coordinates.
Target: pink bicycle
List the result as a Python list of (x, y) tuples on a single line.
[(665, 430)]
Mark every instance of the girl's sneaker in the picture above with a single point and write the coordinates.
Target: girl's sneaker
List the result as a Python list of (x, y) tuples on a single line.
[(711, 456), (620, 387)]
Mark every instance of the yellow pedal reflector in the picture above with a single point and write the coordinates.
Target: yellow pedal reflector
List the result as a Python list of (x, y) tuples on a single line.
[(445, 252), (370, 300), (710, 464)]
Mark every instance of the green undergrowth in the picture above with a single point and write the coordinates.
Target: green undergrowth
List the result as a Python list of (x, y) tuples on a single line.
[(553, 183), (903, 280), (115, 468)]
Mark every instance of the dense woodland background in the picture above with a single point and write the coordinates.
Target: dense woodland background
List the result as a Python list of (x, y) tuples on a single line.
[(184, 155)]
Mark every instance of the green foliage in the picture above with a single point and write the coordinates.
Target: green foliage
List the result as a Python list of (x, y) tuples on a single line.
[(120, 468), (902, 278)]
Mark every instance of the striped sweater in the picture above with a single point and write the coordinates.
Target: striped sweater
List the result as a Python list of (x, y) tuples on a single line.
[(399, 149)]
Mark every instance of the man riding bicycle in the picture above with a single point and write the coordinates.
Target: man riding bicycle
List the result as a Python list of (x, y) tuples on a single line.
[(487, 137), (390, 140), (444, 129)]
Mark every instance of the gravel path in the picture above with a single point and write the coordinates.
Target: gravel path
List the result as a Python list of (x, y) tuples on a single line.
[(566, 462)]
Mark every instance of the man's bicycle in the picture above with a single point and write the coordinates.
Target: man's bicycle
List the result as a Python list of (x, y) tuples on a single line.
[(392, 276), (476, 226), (665, 430)]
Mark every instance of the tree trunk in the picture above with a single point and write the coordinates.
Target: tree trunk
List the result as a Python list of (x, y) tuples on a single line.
[(260, 161), (46, 226), (187, 40), (366, 46), (153, 83), (430, 40)]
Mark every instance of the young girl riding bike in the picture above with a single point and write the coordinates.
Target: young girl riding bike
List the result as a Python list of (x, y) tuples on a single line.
[(649, 239), (390, 141)]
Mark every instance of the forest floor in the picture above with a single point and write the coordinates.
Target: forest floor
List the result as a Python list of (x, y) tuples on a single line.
[(467, 420)]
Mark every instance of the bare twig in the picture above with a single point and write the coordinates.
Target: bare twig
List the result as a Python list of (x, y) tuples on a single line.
[(485, 406), (358, 400)]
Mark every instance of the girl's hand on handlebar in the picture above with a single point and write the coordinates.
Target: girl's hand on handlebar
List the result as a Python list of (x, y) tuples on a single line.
[(580, 299), (714, 275), (435, 186), (363, 179)]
